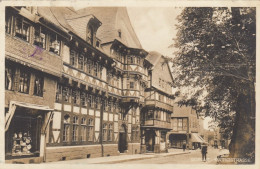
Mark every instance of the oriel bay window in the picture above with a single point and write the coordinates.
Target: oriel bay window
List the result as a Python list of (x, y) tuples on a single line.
[(24, 81), (150, 115), (22, 29), (83, 135), (66, 128), (40, 37), (90, 129), (75, 128)]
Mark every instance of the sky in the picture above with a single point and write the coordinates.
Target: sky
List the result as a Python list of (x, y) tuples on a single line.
[(155, 27)]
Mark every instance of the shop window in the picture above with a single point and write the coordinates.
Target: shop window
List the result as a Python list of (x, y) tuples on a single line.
[(66, 128), (110, 132), (38, 85), (104, 132), (40, 37), (54, 44), (75, 128), (90, 129), (81, 61), (9, 78), (24, 81), (83, 135), (22, 29), (73, 58), (8, 22)]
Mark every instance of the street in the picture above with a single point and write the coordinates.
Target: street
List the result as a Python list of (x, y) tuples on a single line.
[(191, 158)]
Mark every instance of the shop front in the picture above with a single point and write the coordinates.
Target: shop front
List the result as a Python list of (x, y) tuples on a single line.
[(196, 140), (25, 130)]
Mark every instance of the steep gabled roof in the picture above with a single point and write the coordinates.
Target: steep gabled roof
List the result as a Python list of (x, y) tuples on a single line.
[(114, 19)]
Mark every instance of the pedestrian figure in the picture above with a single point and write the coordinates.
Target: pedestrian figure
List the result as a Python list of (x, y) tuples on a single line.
[(184, 147), (204, 151)]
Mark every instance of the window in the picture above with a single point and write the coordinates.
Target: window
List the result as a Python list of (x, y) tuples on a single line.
[(83, 135), (132, 85), (22, 29), (185, 123), (66, 127), (104, 132), (157, 115), (59, 93), (175, 124), (95, 69), (133, 111), (83, 99), (40, 37), (8, 22), (109, 106), (91, 100), (105, 107), (73, 58), (119, 33), (81, 61), (89, 66), (179, 124), (90, 129), (150, 115), (75, 129), (9, 78), (38, 86), (97, 103), (135, 133), (66, 94), (54, 44), (100, 71), (110, 132), (138, 60), (76, 95), (24, 82), (90, 35)]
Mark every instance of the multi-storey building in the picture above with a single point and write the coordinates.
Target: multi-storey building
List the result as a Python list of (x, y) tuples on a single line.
[(75, 84), (156, 114), (185, 128)]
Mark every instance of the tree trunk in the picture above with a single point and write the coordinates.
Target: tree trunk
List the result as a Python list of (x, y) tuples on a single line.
[(242, 143)]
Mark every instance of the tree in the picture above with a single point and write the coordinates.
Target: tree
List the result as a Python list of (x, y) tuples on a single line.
[(215, 64)]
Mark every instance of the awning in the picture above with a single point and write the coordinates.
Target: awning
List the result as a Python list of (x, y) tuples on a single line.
[(195, 137), (14, 104)]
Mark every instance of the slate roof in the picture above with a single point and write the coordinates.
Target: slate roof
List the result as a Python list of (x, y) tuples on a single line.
[(56, 15), (114, 19)]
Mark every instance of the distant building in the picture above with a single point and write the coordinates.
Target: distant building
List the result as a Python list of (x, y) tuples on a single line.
[(185, 128), (156, 114)]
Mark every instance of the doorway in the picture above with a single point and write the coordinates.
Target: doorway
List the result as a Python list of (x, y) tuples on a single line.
[(122, 141), (150, 140)]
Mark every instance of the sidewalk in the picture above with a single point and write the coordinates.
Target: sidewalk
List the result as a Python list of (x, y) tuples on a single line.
[(121, 158)]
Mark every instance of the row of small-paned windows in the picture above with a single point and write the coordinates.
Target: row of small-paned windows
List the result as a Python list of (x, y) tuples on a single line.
[(161, 98), (107, 132), (113, 80), (180, 124), (80, 61), (135, 134), (19, 80), (131, 59), (20, 27), (82, 129), (82, 98), (119, 56), (157, 115)]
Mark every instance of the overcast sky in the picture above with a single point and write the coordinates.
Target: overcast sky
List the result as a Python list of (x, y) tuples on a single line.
[(155, 27)]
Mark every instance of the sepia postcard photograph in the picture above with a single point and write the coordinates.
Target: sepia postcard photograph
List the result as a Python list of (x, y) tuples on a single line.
[(126, 84)]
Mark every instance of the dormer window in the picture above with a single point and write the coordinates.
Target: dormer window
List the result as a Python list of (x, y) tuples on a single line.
[(119, 33), (90, 35)]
